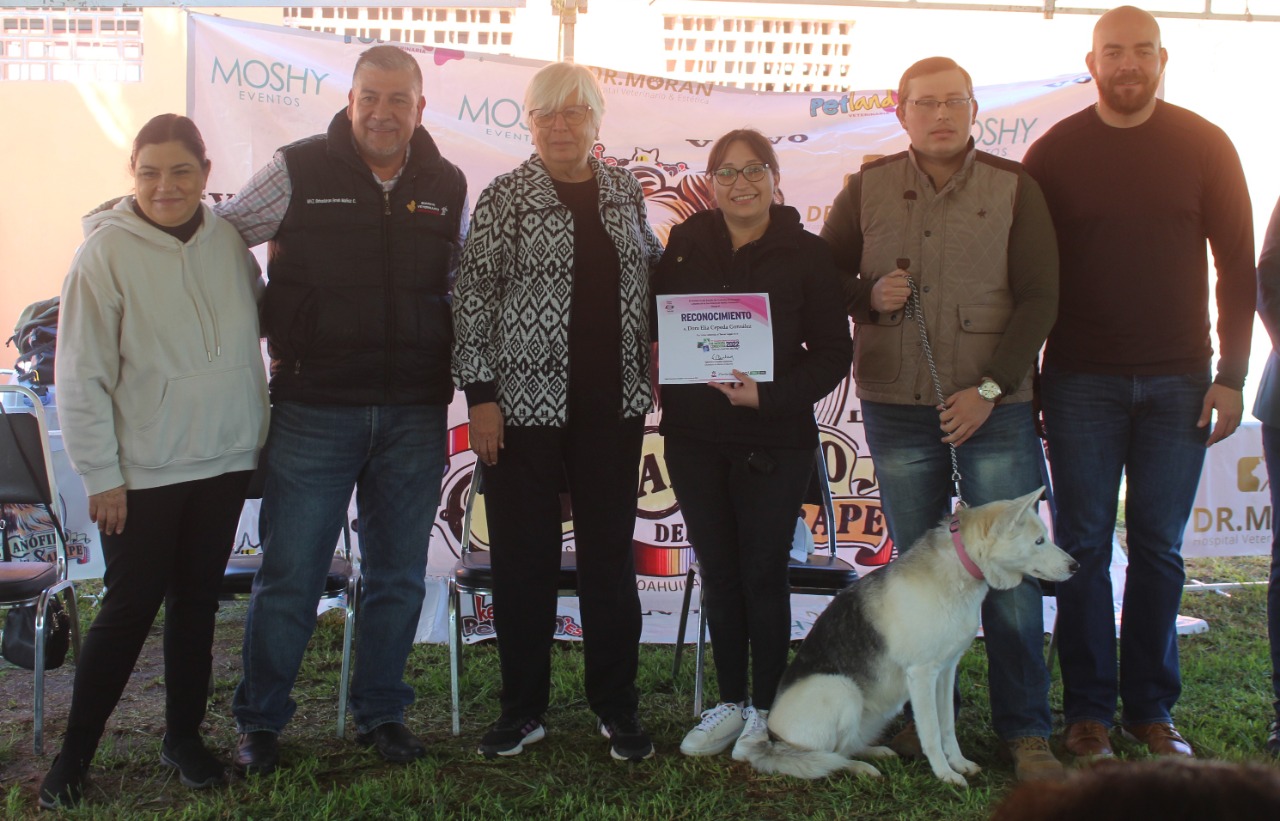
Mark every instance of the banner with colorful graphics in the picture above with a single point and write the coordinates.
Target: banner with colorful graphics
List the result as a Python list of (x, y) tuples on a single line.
[(253, 88)]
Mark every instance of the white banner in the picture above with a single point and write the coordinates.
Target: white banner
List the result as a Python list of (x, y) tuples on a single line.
[(1232, 513), (253, 88)]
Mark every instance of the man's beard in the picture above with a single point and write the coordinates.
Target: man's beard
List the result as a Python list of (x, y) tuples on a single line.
[(1132, 101)]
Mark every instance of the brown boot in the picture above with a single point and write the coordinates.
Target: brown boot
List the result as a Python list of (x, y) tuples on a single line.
[(1087, 741), (1034, 761), (907, 742), (1160, 737)]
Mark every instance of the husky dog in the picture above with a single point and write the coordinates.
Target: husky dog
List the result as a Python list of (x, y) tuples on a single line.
[(899, 633)]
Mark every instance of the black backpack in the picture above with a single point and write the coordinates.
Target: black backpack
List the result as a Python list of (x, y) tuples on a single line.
[(36, 336)]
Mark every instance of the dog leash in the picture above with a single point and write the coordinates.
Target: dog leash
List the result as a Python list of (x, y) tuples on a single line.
[(915, 308)]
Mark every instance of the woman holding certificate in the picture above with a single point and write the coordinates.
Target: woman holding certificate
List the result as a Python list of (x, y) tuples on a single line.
[(551, 314), (740, 452)]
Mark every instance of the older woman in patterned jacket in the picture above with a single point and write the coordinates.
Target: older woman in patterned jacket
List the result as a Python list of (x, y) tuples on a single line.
[(552, 350)]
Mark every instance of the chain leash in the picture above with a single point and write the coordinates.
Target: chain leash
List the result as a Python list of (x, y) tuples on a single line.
[(915, 309)]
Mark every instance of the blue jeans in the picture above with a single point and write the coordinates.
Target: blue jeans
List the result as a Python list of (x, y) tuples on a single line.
[(1271, 451), (1003, 460), (394, 455), (1144, 427)]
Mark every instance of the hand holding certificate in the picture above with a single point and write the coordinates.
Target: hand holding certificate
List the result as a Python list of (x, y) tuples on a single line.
[(706, 337)]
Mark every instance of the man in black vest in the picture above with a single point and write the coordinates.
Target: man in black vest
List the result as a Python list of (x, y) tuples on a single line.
[(365, 224)]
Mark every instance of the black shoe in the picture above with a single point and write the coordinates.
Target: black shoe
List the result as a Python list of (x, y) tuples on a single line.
[(508, 736), (627, 739), (197, 767), (1273, 738), (63, 786), (258, 752), (394, 742)]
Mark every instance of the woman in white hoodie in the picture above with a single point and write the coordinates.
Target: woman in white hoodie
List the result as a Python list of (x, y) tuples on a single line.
[(163, 401)]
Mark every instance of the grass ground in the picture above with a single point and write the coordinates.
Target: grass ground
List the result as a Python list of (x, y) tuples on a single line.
[(570, 775)]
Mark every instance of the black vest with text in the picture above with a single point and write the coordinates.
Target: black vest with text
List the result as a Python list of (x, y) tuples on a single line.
[(357, 304)]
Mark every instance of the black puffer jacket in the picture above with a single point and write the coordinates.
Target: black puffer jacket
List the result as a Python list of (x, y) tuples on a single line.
[(357, 306), (812, 348)]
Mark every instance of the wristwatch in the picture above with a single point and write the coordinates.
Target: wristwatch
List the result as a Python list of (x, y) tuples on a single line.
[(989, 390)]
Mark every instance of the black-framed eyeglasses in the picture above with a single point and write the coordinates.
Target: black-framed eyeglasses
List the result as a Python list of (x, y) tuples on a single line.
[(728, 176), (931, 106), (573, 115)]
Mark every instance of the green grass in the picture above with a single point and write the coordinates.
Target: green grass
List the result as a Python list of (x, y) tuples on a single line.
[(570, 775)]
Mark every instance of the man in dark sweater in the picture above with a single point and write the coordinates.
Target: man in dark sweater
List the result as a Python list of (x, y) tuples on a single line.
[(1135, 187)]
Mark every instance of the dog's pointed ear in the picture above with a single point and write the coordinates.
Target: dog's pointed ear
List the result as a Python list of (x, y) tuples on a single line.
[(1016, 508), (1024, 503)]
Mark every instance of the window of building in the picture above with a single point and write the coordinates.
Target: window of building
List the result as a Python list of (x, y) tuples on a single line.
[(710, 36), (71, 44), (478, 29)]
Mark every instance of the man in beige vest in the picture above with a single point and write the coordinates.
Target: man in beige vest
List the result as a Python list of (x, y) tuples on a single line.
[(969, 234)]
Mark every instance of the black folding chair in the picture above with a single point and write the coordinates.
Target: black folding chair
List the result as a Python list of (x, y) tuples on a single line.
[(27, 478)]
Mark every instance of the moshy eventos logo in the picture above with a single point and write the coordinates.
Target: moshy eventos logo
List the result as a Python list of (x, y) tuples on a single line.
[(267, 83)]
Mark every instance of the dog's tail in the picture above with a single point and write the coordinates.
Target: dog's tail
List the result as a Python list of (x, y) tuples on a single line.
[(777, 756)]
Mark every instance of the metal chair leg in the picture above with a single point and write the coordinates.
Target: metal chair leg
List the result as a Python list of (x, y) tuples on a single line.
[(684, 622), (455, 654), (42, 629), (1051, 655), (701, 657), (348, 634), (42, 626)]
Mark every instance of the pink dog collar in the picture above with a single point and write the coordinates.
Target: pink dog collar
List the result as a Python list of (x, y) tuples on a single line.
[(963, 555)]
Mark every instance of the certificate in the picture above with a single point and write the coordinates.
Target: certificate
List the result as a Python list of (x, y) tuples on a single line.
[(705, 337)]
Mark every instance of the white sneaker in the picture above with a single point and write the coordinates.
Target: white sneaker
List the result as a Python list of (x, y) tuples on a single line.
[(720, 727), (756, 729)]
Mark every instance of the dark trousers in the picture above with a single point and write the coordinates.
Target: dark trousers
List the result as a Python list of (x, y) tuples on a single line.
[(1271, 451), (740, 504), (522, 501), (174, 550)]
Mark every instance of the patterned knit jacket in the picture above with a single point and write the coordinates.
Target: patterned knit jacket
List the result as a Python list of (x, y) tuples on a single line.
[(512, 299)]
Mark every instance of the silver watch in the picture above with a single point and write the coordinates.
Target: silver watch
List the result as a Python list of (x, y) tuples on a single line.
[(989, 390)]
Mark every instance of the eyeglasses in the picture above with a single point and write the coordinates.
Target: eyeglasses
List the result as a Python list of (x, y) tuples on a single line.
[(573, 115), (931, 106), (728, 176)]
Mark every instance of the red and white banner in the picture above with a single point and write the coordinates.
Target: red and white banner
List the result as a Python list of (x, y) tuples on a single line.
[(253, 88)]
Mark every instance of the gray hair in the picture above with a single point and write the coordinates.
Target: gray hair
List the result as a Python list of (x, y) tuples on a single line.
[(389, 58), (558, 82)]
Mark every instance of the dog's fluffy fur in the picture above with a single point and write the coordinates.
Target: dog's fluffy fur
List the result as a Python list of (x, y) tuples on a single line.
[(896, 634)]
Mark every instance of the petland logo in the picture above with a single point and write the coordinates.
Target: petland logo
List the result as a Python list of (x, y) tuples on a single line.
[(861, 105), (268, 83)]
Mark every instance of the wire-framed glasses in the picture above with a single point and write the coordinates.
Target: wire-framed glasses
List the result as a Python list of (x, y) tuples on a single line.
[(932, 106), (728, 176), (573, 115)]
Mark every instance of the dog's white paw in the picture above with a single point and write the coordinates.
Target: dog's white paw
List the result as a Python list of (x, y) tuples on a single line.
[(878, 752), (863, 768), (952, 777), (964, 766)]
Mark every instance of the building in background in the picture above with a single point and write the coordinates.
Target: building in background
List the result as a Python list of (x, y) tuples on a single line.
[(490, 30), (71, 45), (761, 47)]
